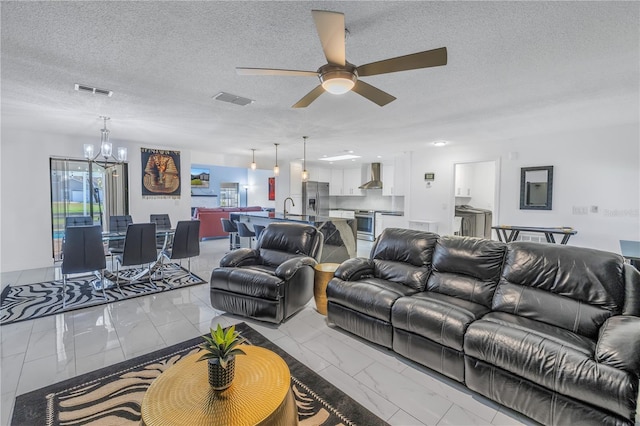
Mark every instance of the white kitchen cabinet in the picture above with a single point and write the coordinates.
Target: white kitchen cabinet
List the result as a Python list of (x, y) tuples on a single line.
[(352, 180), (322, 175), (463, 178), (393, 177), (388, 179), (336, 182)]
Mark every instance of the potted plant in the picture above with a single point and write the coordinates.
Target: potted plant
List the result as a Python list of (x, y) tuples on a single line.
[(221, 349)]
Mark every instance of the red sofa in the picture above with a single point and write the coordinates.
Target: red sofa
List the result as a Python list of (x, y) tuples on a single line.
[(210, 223)]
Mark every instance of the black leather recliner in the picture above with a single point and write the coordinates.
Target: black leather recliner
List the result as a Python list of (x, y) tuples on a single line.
[(274, 280), (363, 291)]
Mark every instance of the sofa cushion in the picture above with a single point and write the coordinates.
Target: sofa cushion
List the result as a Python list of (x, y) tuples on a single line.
[(570, 287), (551, 357), (438, 317), (280, 242), (404, 256), (249, 281), (467, 268), (371, 296)]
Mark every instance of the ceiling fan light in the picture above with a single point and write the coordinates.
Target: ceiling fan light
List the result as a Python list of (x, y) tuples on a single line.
[(338, 86), (337, 81)]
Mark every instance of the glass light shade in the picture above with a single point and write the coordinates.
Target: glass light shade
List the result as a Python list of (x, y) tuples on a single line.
[(276, 170), (305, 175), (253, 165), (106, 149), (338, 85), (88, 151), (122, 154)]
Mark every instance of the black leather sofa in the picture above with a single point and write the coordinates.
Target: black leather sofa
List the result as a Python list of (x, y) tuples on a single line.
[(274, 280), (550, 331)]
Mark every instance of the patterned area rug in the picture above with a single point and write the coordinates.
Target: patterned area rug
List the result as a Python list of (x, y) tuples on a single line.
[(112, 395), (29, 301)]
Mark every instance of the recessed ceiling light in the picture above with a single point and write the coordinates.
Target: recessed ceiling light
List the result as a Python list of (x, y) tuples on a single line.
[(440, 143), (379, 156), (340, 157)]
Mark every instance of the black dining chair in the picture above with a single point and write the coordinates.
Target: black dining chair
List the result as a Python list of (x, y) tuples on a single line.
[(245, 232), (186, 243), (118, 224), (230, 227), (83, 252), (162, 221), (77, 221), (139, 249)]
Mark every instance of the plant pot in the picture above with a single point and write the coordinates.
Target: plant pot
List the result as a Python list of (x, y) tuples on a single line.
[(221, 378)]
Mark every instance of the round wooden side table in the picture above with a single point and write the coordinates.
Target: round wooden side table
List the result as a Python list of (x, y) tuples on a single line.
[(322, 276), (260, 394)]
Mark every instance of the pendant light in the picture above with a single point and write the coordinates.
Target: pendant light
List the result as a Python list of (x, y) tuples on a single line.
[(305, 173), (276, 168), (253, 159)]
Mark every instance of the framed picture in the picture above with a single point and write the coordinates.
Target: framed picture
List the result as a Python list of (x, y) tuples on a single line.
[(272, 188), (200, 177), (160, 173)]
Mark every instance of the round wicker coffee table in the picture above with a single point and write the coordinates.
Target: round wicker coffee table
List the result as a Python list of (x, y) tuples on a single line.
[(323, 272), (260, 393)]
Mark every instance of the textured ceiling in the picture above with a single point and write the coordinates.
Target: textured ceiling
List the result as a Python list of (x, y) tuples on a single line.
[(513, 67)]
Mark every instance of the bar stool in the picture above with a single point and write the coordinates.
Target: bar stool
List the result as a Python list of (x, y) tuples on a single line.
[(232, 229), (258, 230), (243, 231)]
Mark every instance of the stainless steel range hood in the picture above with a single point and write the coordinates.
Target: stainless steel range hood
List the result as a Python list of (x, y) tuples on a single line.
[(375, 182)]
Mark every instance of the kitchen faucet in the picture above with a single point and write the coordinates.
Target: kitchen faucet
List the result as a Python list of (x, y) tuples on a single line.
[(284, 207)]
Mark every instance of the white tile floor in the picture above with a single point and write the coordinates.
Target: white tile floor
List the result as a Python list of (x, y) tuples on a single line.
[(43, 351)]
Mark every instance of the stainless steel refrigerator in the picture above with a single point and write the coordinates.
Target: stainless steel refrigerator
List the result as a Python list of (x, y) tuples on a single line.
[(315, 198)]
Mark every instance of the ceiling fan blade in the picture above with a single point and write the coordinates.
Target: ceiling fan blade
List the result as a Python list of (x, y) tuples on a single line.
[(372, 93), (309, 97), (430, 58), (330, 26), (269, 71)]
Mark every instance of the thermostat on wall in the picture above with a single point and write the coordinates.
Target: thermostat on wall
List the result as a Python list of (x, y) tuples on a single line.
[(429, 176)]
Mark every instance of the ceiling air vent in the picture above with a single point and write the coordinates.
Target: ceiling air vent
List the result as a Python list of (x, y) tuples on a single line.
[(94, 90), (234, 99)]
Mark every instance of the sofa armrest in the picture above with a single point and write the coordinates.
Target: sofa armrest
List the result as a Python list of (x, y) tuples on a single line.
[(355, 269), (619, 343), (240, 257), (288, 268)]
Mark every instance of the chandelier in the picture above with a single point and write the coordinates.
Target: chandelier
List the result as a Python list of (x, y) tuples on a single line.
[(106, 149)]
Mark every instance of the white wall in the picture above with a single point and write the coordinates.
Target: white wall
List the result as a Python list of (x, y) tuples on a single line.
[(258, 191), (592, 167)]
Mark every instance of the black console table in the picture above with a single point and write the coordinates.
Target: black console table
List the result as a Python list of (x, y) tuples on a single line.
[(514, 231)]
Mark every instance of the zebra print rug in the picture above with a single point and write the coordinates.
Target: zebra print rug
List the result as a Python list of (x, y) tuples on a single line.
[(29, 301), (112, 395)]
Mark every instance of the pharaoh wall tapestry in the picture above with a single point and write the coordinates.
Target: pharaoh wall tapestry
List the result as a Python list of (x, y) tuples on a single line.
[(161, 173)]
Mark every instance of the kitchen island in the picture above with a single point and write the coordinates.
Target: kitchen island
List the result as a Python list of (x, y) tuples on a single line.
[(339, 234)]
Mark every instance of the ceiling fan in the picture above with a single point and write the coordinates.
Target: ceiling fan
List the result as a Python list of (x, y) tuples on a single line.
[(339, 76)]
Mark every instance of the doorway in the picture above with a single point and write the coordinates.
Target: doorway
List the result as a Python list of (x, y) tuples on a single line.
[(83, 188), (476, 198)]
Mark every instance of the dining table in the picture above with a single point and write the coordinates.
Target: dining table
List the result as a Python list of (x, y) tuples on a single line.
[(110, 277)]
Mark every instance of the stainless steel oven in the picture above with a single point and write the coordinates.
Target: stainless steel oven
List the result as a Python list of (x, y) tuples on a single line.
[(365, 224)]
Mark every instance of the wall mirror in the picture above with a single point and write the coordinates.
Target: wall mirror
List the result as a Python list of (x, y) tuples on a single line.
[(536, 188)]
